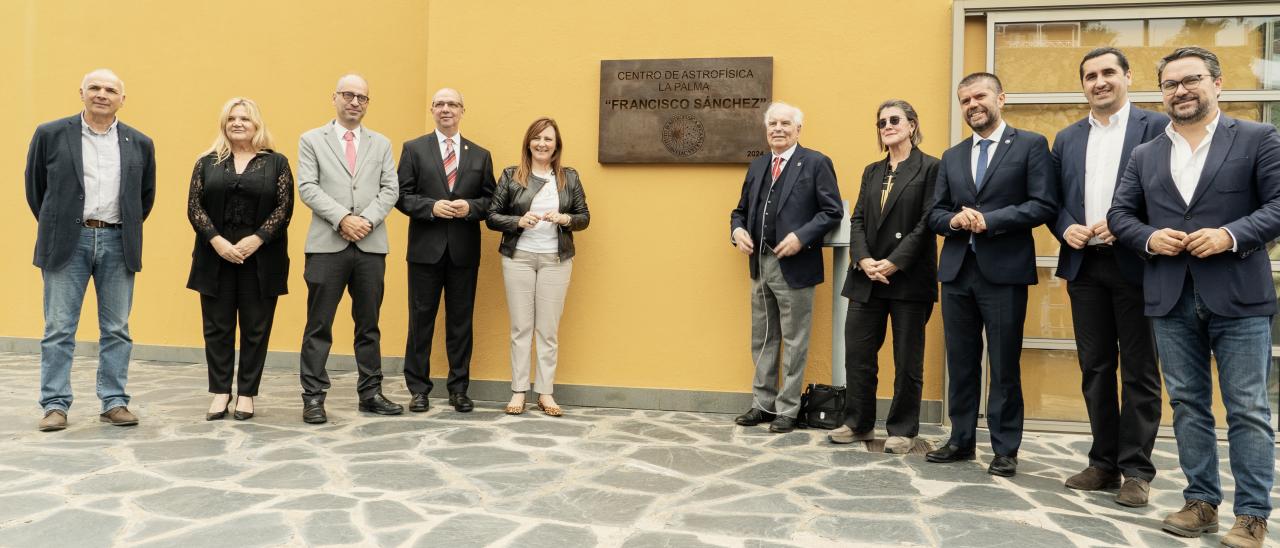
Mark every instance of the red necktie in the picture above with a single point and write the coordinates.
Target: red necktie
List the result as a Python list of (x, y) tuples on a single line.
[(350, 138), (777, 167), (450, 163)]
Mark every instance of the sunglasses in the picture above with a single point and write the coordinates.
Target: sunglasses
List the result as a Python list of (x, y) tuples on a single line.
[(890, 121)]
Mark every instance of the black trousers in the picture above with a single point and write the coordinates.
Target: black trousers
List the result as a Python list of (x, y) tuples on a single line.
[(426, 282), (329, 274), (1106, 309), (238, 297), (971, 304), (864, 332)]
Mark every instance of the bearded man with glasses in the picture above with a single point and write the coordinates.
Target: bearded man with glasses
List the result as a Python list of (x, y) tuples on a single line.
[(1200, 203)]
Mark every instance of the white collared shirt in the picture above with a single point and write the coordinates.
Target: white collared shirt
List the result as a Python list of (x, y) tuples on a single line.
[(543, 237), (1102, 165), (341, 133), (457, 145), (100, 156), (991, 150), (1185, 164)]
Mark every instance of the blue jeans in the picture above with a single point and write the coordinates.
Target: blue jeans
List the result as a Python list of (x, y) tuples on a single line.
[(99, 255), (1242, 347)]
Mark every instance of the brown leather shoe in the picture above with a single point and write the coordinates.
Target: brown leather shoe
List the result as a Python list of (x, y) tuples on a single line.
[(119, 416), (54, 419), (1248, 532), (1134, 493), (1094, 479), (1195, 518)]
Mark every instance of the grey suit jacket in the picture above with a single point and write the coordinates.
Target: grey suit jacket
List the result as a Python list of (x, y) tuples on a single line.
[(332, 192)]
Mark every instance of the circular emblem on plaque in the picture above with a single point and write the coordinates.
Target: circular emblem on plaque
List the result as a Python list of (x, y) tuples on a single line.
[(683, 135)]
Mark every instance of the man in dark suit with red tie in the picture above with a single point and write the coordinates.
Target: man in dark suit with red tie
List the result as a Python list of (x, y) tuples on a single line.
[(446, 182), (1104, 282), (1201, 202), (992, 189)]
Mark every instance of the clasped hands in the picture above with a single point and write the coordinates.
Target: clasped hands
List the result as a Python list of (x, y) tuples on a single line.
[(238, 252), (451, 209), (789, 245), (1078, 236), (969, 219), (878, 271), (1201, 243), (530, 219), (354, 228)]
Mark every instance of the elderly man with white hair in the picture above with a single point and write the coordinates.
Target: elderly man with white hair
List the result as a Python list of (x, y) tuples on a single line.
[(789, 201), (90, 182)]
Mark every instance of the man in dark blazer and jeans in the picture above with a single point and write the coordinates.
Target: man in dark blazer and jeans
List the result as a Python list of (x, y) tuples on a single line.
[(1201, 203), (991, 191), (90, 182), (1104, 282), (789, 201), (446, 183)]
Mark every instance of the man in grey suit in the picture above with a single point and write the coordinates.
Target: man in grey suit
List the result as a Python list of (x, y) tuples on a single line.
[(90, 182), (347, 177)]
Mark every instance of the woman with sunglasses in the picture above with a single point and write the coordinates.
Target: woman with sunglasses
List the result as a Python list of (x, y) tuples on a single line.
[(892, 278)]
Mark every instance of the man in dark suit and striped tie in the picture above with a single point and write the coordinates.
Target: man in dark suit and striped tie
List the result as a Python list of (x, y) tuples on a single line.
[(446, 182)]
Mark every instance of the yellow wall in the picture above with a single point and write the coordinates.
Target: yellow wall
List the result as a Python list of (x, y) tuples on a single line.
[(658, 299)]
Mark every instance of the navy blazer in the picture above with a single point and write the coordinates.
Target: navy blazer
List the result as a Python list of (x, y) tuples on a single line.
[(55, 190), (808, 205), (1068, 163), (1239, 189), (1019, 193)]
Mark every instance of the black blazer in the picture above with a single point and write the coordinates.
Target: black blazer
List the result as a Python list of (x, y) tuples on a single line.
[(55, 190), (1239, 190), (273, 208), (897, 232), (1069, 149), (1019, 193), (808, 204), (423, 182), (511, 201)]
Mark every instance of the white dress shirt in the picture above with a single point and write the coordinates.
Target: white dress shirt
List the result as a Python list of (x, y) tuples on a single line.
[(341, 132), (543, 237), (1102, 165), (991, 150), (457, 145), (1186, 165), (100, 156)]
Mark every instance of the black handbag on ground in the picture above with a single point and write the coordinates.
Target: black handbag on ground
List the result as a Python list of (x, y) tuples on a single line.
[(822, 406)]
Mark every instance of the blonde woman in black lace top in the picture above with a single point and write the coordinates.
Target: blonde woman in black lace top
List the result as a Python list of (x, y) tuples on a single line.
[(240, 203)]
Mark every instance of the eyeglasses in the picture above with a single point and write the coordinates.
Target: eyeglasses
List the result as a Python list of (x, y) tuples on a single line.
[(347, 96), (447, 104), (1190, 82), (890, 121)]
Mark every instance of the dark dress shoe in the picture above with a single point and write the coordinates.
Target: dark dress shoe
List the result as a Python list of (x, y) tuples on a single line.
[(218, 415), (754, 417), (949, 453), (313, 411), (782, 424), (242, 415), (1003, 466), (460, 402), (381, 405), (419, 403)]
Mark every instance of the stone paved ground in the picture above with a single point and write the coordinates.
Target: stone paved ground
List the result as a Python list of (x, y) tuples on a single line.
[(596, 477)]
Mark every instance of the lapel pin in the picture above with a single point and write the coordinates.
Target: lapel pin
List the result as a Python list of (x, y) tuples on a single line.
[(1007, 141), (798, 164), (465, 147)]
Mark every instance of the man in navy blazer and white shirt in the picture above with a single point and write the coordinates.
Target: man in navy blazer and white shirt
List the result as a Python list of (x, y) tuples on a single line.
[(789, 201), (1104, 282), (90, 182), (1201, 202), (991, 191)]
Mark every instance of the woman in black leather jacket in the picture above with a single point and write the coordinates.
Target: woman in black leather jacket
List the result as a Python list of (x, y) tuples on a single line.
[(537, 206)]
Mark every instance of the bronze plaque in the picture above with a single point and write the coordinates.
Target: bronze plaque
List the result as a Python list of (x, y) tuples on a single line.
[(684, 111)]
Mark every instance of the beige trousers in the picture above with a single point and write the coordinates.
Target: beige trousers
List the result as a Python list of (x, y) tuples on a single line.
[(536, 286)]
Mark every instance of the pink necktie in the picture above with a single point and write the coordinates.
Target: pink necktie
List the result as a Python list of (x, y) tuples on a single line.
[(777, 167), (350, 138), (450, 163)]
